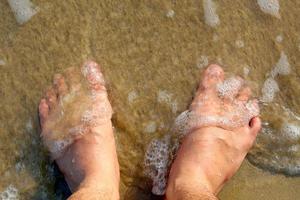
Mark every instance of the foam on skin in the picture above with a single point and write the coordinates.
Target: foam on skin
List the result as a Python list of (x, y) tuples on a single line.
[(210, 13), (82, 108), (235, 114), (10, 193), (229, 86), (270, 7), (23, 10)]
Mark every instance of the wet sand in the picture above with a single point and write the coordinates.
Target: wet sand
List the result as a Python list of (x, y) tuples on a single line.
[(144, 52)]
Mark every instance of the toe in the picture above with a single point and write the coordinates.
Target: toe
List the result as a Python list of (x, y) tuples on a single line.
[(252, 108), (43, 111), (60, 85), (213, 75), (255, 126), (73, 77), (230, 87), (95, 78), (51, 98), (244, 94)]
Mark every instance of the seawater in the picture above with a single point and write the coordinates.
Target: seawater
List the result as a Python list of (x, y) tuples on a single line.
[(152, 54)]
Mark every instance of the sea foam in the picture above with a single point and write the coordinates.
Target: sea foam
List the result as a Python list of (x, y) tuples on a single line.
[(210, 14), (270, 7), (269, 90), (23, 10), (270, 87), (282, 67), (10, 193)]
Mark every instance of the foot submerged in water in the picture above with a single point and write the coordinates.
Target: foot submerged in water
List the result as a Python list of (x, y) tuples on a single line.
[(75, 117), (221, 126)]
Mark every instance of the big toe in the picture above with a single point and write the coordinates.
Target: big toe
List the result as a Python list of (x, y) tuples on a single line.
[(213, 75), (91, 71), (255, 126)]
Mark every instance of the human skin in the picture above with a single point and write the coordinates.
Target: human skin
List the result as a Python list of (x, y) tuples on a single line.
[(207, 158), (210, 155), (90, 163)]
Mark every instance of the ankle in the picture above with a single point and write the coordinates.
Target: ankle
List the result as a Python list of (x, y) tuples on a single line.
[(180, 189), (93, 188), (181, 185)]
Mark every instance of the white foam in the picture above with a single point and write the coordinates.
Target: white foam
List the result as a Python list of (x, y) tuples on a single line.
[(229, 87), (220, 60), (151, 127), (215, 37), (292, 131), (210, 14), (269, 90), (10, 193), (23, 10), (246, 70), (19, 166), (279, 38), (239, 43), (132, 96), (166, 97), (202, 62), (29, 126), (163, 96), (270, 7), (170, 13), (2, 62), (156, 164), (282, 67)]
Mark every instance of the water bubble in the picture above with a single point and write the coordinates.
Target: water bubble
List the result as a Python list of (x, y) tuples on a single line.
[(269, 90), (246, 70), (239, 43), (210, 15), (132, 96), (10, 193), (279, 38), (282, 67), (2, 62), (23, 10), (151, 127), (202, 61), (270, 7), (215, 37), (170, 13), (156, 164)]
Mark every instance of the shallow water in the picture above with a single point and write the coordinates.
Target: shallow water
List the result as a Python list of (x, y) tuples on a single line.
[(151, 54)]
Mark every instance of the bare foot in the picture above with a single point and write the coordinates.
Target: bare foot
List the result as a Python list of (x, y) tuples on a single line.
[(76, 126), (222, 126)]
